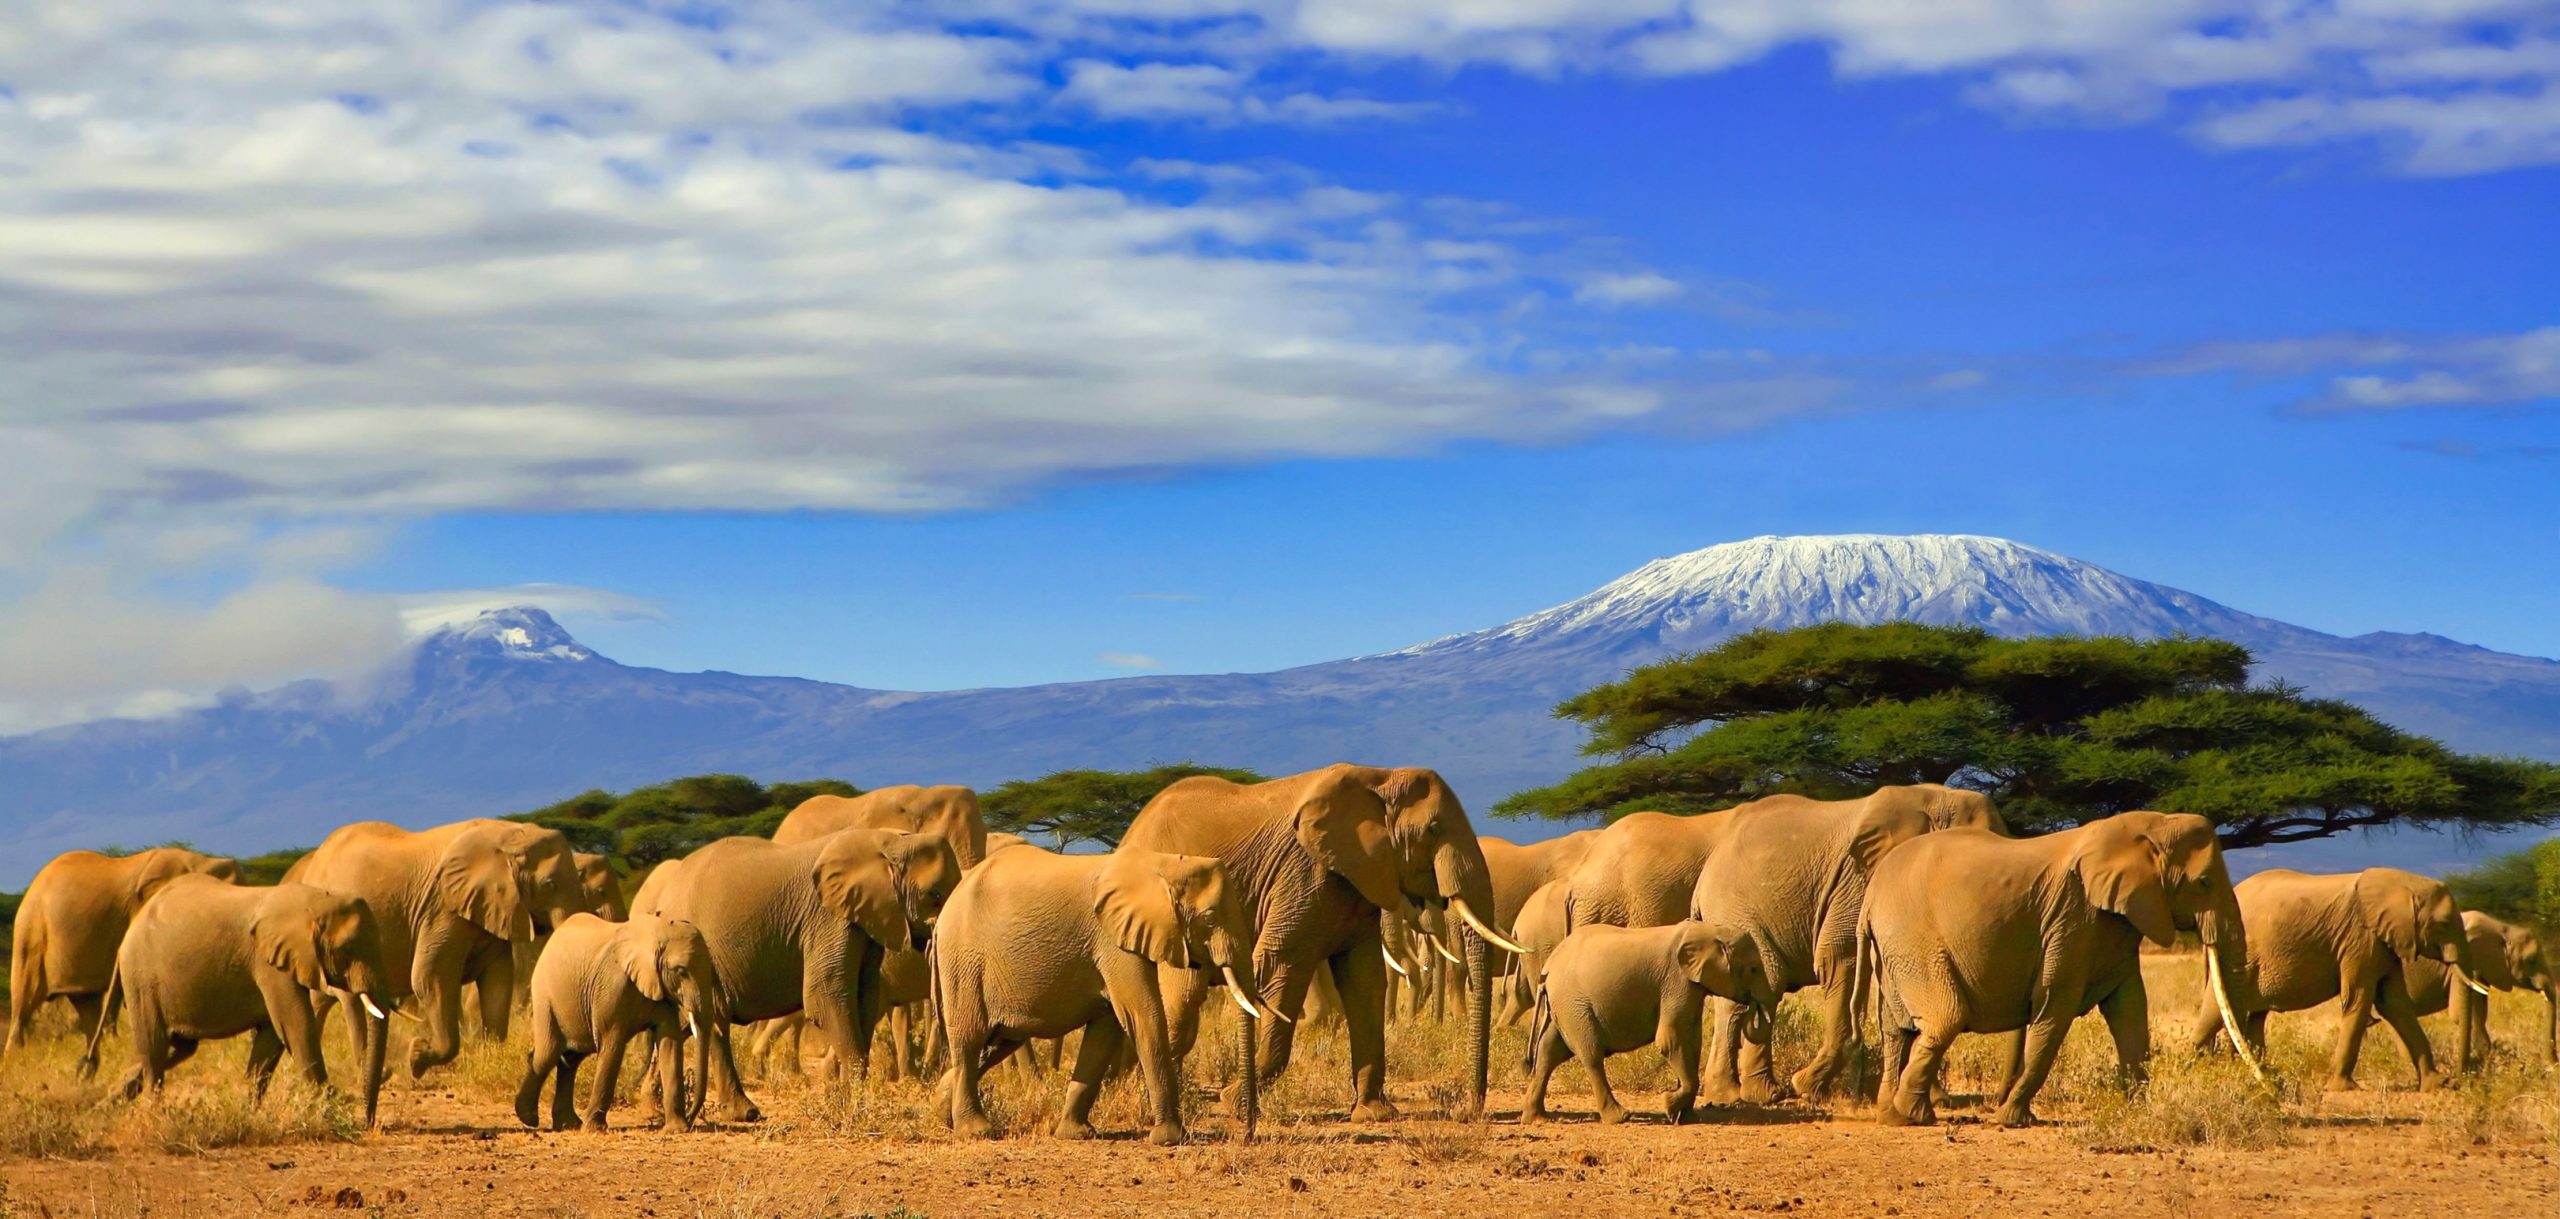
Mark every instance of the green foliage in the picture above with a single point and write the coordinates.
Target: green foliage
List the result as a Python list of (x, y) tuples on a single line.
[(1096, 806), (270, 868), (2519, 886), (2059, 730), (650, 825)]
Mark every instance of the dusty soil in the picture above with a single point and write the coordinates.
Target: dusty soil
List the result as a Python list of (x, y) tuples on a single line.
[(453, 1156)]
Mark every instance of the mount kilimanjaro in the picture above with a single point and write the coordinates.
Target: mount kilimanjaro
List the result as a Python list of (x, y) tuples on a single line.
[(508, 711)]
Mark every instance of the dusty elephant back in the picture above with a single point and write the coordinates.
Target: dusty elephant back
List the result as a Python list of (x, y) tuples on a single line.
[(189, 951), (78, 907), (1519, 869), (1642, 870), (949, 810)]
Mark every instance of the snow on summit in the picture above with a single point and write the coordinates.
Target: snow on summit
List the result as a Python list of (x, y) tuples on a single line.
[(520, 632), (1698, 598)]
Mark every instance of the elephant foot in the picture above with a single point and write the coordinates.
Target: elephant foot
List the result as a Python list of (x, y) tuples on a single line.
[(2430, 1081), (594, 1124), (1375, 1109), (1533, 1114), (2341, 1083), (1612, 1114), (1680, 1113), (1720, 1092), (1074, 1128), (418, 1056), (529, 1109), (740, 1111), (1167, 1134), (1906, 1109), (973, 1126), (675, 1124), (2015, 1115), (1817, 1081), (1760, 1090)]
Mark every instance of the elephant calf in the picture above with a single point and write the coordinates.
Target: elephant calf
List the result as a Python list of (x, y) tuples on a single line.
[(207, 959), (1035, 944), (598, 985), (1608, 990)]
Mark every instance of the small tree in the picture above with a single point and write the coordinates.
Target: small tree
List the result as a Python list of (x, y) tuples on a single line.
[(650, 825), (2058, 730), (1096, 806), (2519, 886)]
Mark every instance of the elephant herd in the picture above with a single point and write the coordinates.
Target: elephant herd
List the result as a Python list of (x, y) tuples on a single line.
[(1913, 906)]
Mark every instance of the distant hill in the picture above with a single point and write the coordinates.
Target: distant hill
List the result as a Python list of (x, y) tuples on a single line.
[(509, 712)]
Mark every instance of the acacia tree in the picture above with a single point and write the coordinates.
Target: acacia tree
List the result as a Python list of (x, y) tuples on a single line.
[(2058, 730), (1096, 806)]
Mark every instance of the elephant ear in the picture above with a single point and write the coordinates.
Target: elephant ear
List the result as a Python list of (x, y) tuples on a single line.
[(1342, 824), (642, 944), (1702, 955), (479, 885), (2392, 912), (858, 880), (1885, 824), (1139, 907), (2122, 873), (289, 938)]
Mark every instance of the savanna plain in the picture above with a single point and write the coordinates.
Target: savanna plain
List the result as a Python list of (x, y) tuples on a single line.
[(2201, 1138)]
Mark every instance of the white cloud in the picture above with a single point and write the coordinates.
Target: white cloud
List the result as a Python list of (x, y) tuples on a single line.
[(1129, 660), (1212, 93), (422, 613), (1628, 288), (2361, 372)]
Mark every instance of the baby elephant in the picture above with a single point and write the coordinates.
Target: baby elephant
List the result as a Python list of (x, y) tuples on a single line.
[(1609, 990), (207, 959), (599, 984)]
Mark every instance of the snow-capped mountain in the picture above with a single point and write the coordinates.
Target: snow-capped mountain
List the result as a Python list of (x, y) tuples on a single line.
[(503, 710)]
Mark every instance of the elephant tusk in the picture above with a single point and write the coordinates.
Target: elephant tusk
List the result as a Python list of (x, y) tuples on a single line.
[(1443, 950), (1491, 936), (1391, 962), (370, 1009), (2473, 983), (691, 1027), (2230, 1019), (1236, 989)]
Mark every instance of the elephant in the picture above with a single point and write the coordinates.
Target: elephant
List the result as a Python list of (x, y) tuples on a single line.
[(1520, 868), (451, 902), (1318, 856), (948, 810), (1608, 990), (598, 985), (804, 927), (1642, 869), (208, 959), (2508, 956), (1538, 929), (1418, 962), (1792, 873), (604, 897), (1036, 944), (2361, 938), (70, 920), (1973, 932)]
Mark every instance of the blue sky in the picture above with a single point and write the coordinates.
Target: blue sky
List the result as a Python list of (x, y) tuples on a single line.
[(1018, 341)]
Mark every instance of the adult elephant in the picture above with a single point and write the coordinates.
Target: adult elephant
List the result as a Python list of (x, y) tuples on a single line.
[(949, 810), (2508, 956), (804, 926), (70, 920), (601, 893), (1042, 945), (1792, 874), (1538, 929), (451, 903), (2365, 939), (1976, 933), (1642, 869), (1518, 868), (1319, 856)]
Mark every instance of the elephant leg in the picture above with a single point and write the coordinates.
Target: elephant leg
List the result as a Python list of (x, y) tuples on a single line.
[(564, 1090), (2013, 1058), (2044, 1040), (901, 1028), (1130, 981), (290, 1015), (1723, 1085), (2470, 1029), (1288, 985), (497, 992), (1907, 1099), (1586, 1046), (666, 1062), (1834, 1066), (265, 1048), (972, 1053), (544, 1059), (2355, 1011), (437, 976), (27, 988), (2128, 1016), (88, 1012), (1185, 991), (609, 1050), (1360, 974), (1548, 1051), (1684, 1035), (1759, 1080), (2402, 1016), (725, 1086), (1102, 1038)]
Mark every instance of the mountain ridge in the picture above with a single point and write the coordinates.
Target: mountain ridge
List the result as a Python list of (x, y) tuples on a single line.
[(507, 710)]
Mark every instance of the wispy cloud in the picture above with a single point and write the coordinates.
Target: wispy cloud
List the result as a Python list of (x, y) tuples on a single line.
[(1129, 660), (2385, 372)]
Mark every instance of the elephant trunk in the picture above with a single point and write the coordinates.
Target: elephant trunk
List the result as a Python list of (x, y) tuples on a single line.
[(1249, 1088), (1479, 1020), (2551, 1022), (378, 1040), (699, 1088)]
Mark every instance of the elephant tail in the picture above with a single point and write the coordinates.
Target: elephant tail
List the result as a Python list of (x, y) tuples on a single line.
[(1543, 1019), (88, 1066), (1865, 987)]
